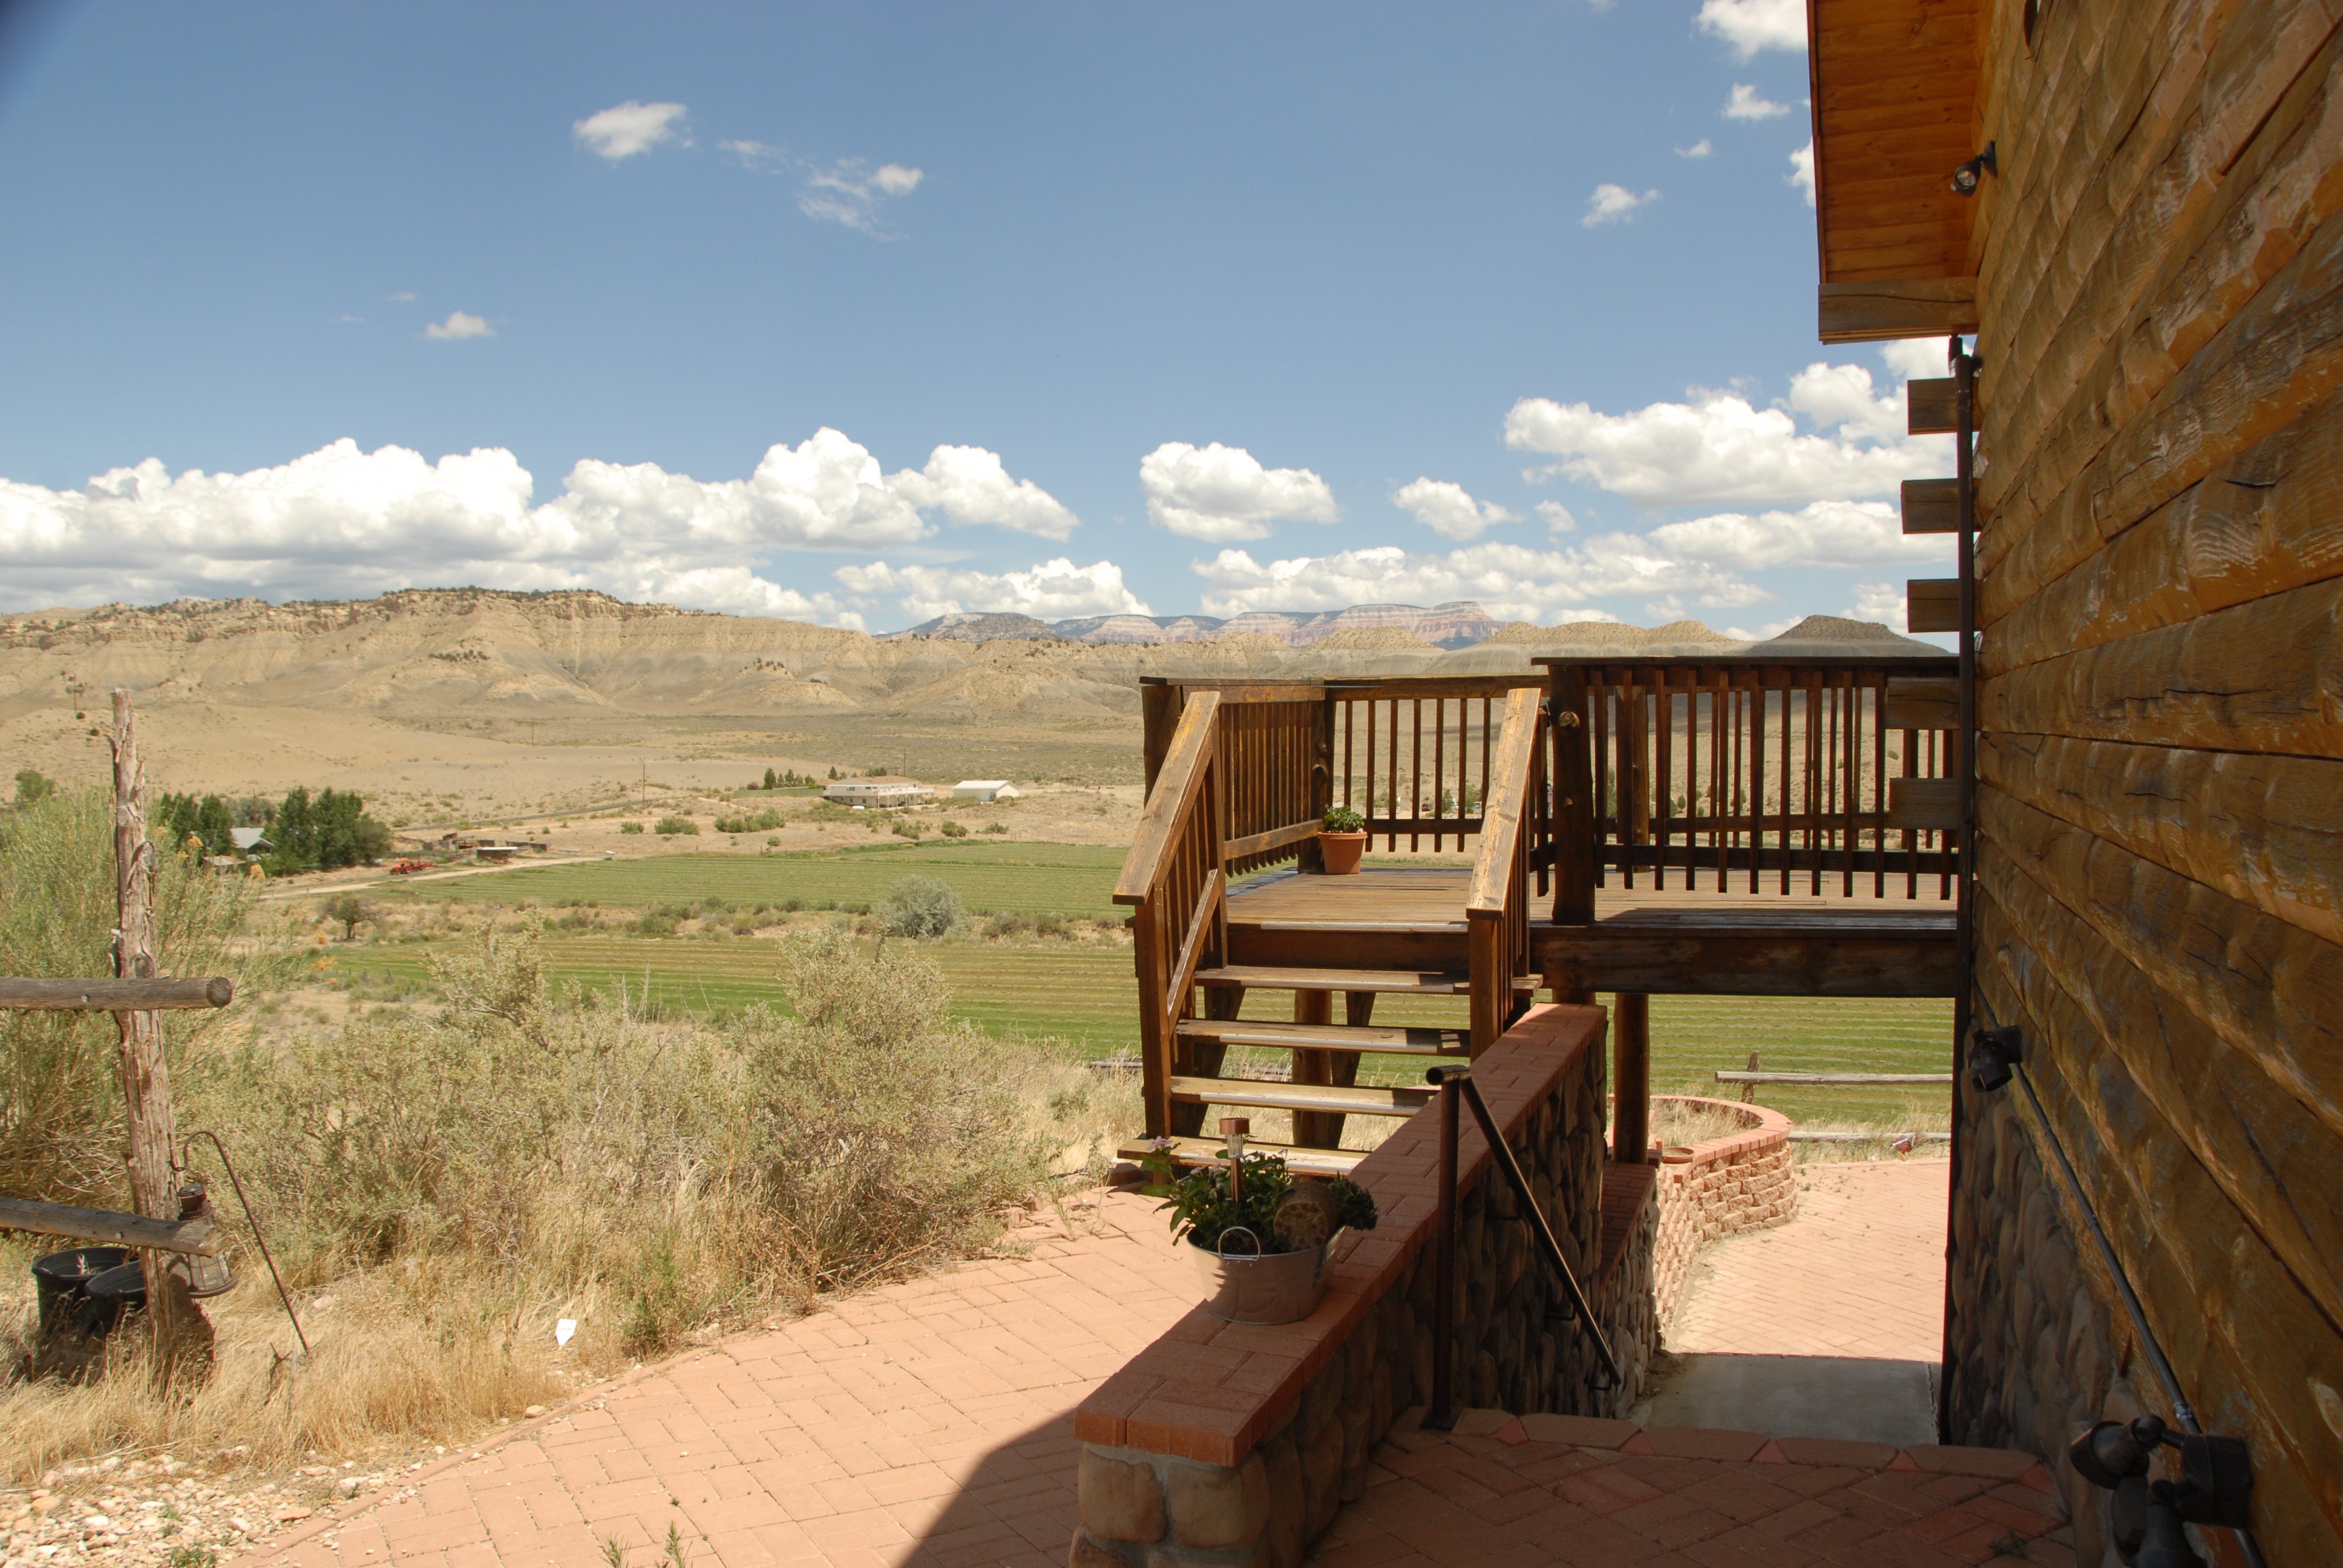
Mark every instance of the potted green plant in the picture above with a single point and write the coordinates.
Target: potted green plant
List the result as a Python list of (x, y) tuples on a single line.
[(1260, 1235), (1341, 840)]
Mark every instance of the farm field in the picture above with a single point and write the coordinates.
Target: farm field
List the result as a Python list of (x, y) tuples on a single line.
[(1086, 995), (1083, 994), (1018, 877)]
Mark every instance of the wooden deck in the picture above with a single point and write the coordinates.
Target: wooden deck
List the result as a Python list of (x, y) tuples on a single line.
[(1667, 942)]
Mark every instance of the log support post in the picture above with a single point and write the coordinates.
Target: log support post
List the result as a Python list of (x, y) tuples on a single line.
[(181, 1335), (1631, 1117)]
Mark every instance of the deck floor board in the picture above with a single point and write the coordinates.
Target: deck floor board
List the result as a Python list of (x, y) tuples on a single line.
[(1395, 897)]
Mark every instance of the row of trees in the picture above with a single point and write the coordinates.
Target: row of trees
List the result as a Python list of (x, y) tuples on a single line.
[(306, 833)]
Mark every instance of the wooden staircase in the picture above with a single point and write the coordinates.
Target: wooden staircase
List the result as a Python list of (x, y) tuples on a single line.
[(1178, 877)]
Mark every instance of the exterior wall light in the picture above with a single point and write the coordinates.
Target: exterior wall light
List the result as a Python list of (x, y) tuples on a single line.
[(2217, 1478), (1966, 177), (1992, 1053)]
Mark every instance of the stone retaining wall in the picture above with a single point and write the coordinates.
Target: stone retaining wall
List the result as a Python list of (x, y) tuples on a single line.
[(1744, 1181), (1226, 1444)]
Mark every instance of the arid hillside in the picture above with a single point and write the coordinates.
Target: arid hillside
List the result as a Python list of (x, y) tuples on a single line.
[(503, 702)]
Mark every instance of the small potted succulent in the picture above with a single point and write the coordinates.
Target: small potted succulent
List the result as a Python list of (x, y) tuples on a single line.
[(1260, 1235), (1341, 840)]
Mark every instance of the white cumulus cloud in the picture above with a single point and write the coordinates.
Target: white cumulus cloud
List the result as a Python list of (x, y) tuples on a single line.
[(1446, 509), (1882, 602), (1056, 589), (851, 192), (340, 522), (1510, 581), (969, 485), (1825, 534), (1718, 448), (1615, 204), (629, 128), (1750, 25), (1221, 494), (1557, 517), (1746, 103), (1699, 149), (1801, 171), (460, 323)]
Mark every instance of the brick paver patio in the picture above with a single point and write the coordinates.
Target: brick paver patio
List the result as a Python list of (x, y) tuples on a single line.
[(1561, 1490), (929, 1423), (1859, 1272), (926, 1422)]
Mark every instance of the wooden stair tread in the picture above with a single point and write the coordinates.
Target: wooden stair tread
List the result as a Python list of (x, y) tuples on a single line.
[(1206, 1151), (1383, 1040), (1420, 983), (1275, 1096)]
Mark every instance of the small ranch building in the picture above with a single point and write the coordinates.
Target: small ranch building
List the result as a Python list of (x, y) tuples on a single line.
[(984, 790), (886, 790)]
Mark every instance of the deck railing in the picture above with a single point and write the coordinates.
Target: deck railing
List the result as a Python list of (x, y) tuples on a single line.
[(1176, 882), (1497, 900), (1414, 757), (1777, 775)]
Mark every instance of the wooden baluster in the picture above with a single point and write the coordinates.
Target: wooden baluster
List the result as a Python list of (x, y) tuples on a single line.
[(1878, 699), (1663, 792), (1757, 766), (1415, 773), (1439, 767), (1789, 774)]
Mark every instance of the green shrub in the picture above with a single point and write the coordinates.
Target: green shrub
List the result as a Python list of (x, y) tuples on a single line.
[(762, 821), (61, 1106), (690, 1170), (952, 831), (996, 827), (921, 907), (631, 827), (672, 825)]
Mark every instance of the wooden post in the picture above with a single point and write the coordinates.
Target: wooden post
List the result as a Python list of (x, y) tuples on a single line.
[(1159, 714), (1311, 857), (1322, 1129), (1630, 1118), (171, 1316), (1574, 800), (1749, 1090)]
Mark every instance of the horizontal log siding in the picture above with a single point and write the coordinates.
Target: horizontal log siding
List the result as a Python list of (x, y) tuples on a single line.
[(2160, 861), (2246, 1342)]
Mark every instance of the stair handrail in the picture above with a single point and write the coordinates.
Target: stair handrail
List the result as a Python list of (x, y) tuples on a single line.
[(1177, 785), (1495, 901), (1173, 878)]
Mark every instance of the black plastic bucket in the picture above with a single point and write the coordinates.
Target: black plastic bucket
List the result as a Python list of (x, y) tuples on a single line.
[(60, 1282), (110, 1294)]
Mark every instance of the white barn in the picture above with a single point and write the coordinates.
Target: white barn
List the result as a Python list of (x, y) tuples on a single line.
[(982, 790)]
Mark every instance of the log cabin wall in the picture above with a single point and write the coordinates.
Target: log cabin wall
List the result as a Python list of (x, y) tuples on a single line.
[(2158, 271)]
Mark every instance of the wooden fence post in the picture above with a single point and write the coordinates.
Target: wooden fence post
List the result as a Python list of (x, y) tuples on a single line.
[(172, 1316)]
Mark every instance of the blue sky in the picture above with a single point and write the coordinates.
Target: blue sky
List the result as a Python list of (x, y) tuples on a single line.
[(862, 312)]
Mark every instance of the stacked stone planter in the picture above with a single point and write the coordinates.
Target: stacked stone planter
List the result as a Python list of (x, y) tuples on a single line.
[(1744, 1180), (1225, 1444)]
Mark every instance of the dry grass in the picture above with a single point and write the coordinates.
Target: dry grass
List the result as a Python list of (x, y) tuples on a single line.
[(444, 1182), (1675, 1122)]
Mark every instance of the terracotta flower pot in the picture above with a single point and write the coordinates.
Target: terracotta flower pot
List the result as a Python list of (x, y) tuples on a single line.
[(1342, 851)]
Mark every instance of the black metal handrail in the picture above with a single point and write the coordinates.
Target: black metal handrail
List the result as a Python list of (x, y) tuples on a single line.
[(1454, 1081)]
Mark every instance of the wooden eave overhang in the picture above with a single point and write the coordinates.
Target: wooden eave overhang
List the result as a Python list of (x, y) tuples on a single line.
[(1894, 87)]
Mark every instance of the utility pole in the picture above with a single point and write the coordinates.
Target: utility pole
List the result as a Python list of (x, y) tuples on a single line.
[(171, 1314)]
